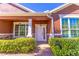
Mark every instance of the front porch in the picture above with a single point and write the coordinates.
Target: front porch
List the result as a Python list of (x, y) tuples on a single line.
[(37, 27)]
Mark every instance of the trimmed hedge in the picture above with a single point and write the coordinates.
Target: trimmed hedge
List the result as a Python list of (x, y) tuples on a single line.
[(19, 45), (64, 47)]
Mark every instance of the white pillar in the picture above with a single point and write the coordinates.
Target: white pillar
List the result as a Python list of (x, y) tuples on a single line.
[(29, 28), (52, 27), (61, 26)]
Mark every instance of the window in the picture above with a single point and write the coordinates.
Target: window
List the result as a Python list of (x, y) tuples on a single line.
[(21, 29), (65, 27), (73, 23), (73, 27), (65, 33), (73, 33), (16, 30), (78, 23), (70, 26)]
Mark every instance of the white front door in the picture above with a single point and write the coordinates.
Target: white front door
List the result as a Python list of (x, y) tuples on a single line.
[(40, 32)]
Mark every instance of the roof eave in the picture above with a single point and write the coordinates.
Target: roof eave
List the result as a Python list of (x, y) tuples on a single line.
[(60, 8), (25, 8), (25, 14)]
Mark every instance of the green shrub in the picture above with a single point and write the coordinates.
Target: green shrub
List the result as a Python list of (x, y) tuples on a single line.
[(64, 47), (19, 45)]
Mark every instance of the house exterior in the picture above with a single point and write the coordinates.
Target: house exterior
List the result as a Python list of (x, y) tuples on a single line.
[(19, 21)]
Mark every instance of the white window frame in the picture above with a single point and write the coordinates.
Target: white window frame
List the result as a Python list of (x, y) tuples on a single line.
[(15, 23), (67, 16)]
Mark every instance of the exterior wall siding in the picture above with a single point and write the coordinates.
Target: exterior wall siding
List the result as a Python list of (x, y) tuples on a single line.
[(6, 27)]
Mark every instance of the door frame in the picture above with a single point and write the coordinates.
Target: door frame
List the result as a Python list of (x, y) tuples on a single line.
[(45, 25)]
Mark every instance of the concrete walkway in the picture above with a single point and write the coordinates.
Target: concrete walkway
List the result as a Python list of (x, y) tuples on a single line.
[(43, 49)]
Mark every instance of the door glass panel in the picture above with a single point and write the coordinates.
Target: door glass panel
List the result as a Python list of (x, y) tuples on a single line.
[(43, 33), (22, 30)]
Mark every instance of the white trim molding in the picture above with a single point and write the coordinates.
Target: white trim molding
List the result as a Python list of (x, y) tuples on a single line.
[(52, 22), (69, 33), (60, 24), (5, 35), (25, 8), (69, 15), (58, 34), (50, 35)]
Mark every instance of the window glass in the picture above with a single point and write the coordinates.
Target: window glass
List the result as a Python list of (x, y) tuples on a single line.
[(64, 23), (16, 30), (77, 23), (26, 29), (73, 33), (65, 27), (73, 23), (77, 33), (21, 29), (65, 33)]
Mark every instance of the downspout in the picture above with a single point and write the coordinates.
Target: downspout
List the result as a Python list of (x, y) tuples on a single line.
[(49, 16)]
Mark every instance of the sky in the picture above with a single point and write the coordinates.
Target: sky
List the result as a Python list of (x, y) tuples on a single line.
[(41, 7)]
